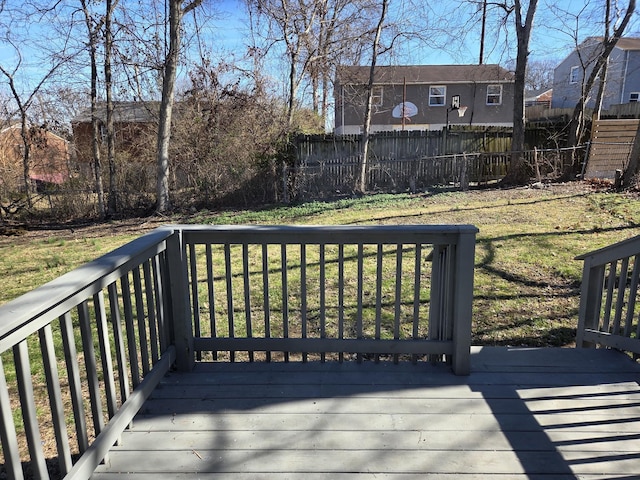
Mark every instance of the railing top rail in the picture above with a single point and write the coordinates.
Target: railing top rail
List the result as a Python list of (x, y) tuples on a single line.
[(31, 311), (604, 255), (329, 234)]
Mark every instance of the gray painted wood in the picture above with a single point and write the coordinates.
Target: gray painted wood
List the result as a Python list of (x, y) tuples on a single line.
[(55, 398), (28, 406), (10, 448), (521, 413), (608, 297)]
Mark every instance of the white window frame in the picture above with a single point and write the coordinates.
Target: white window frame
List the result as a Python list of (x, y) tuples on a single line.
[(574, 75), (377, 95), (634, 97), (495, 96), (437, 95)]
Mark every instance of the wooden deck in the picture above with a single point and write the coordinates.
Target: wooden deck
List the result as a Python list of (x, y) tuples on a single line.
[(522, 413)]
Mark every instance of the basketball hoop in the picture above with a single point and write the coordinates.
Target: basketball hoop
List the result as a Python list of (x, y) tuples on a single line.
[(461, 111)]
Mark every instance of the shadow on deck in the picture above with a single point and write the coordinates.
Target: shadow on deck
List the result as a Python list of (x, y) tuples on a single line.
[(522, 413)]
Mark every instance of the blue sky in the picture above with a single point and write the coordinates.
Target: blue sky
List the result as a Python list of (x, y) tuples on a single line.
[(547, 42)]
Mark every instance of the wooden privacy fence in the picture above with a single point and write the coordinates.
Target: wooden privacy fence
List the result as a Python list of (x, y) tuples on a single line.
[(324, 178), (608, 315), (611, 147), (403, 144), (79, 355)]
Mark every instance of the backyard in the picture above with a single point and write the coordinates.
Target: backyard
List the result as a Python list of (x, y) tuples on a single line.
[(526, 280)]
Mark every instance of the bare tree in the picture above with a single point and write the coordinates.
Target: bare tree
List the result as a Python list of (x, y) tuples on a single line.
[(110, 6), (25, 91), (361, 185), (540, 74), (177, 11), (524, 15), (93, 29), (576, 125), (290, 23)]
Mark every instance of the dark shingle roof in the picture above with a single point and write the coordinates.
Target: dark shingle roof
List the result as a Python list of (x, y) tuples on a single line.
[(422, 74), (123, 112)]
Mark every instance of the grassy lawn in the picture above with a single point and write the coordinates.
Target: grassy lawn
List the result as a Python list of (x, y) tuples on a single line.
[(526, 282)]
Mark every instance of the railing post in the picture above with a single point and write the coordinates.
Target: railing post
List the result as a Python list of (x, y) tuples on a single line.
[(462, 302), (180, 311), (590, 301)]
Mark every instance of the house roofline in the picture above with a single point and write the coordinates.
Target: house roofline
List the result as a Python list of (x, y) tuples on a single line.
[(17, 125)]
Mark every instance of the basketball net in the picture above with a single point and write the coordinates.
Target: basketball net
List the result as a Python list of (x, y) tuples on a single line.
[(461, 111)]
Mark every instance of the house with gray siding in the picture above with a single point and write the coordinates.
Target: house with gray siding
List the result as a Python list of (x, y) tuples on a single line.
[(424, 97), (623, 74)]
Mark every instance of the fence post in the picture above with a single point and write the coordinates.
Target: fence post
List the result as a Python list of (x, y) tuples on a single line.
[(464, 178), (590, 301), (462, 302), (180, 304)]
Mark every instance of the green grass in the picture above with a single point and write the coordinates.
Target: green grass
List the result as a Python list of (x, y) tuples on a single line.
[(526, 280)]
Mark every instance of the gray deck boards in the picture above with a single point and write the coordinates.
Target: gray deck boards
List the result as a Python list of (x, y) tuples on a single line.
[(522, 413)]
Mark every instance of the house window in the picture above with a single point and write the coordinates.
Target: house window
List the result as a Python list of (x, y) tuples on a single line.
[(634, 97), (437, 96), (376, 96), (494, 94), (574, 75)]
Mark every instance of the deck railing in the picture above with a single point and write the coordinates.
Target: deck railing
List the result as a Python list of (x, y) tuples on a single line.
[(79, 355), (366, 290), (610, 280)]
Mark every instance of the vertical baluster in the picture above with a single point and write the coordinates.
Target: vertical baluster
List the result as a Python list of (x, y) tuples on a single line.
[(55, 398), (159, 285), (105, 353), (142, 324), (436, 307), (247, 293), (303, 294), (285, 296), (229, 278), (379, 270), (151, 311), (323, 306), (622, 285), (398, 302), (90, 364), (359, 295), (193, 268), (75, 386), (341, 297), (265, 295), (611, 280), (448, 282), (633, 291), (28, 405), (116, 322), (416, 294), (10, 449), (130, 329), (211, 294)]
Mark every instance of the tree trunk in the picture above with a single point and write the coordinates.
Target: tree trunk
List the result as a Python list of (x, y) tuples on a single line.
[(166, 105), (26, 155), (518, 173), (95, 121), (176, 14), (111, 144), (361, 185)]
